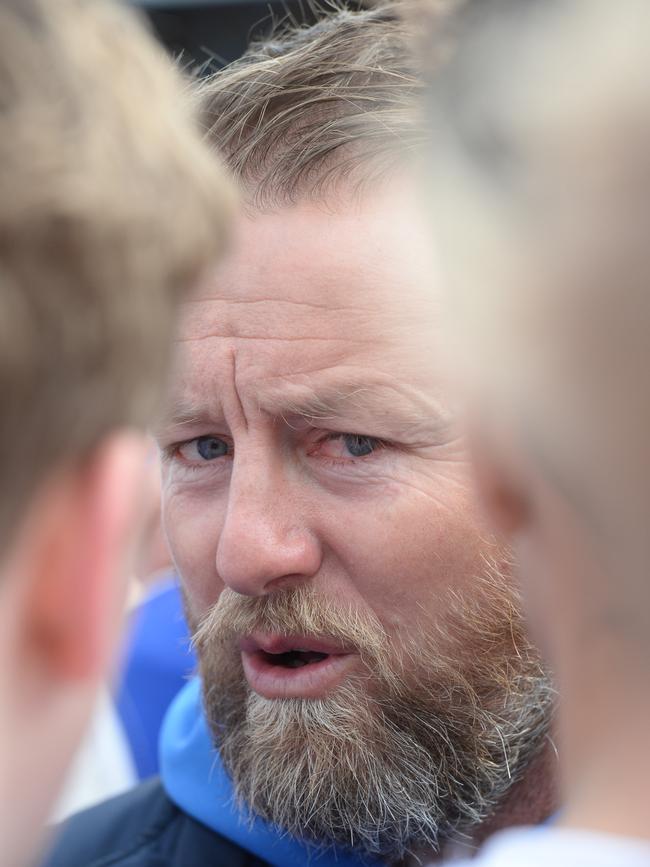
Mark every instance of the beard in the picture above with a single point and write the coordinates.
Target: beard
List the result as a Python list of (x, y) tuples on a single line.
[(414, 750)]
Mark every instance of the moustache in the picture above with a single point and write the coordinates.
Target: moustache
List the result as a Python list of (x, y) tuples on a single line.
[(297, 611)]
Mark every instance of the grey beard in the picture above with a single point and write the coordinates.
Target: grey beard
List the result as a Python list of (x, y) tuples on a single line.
[(419, 751), (388, 775)]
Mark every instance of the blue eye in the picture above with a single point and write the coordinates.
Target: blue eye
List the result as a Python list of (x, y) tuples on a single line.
[(210, 448), (360, 446), (201, 450), (345, 447)]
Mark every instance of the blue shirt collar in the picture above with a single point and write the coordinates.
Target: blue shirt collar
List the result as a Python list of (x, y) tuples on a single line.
[(196, 781)]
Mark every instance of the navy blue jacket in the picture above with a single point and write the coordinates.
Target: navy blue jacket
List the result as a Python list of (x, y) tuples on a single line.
[(143, 828)]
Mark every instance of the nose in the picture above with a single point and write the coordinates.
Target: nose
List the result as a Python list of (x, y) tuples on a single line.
[(265, 544)]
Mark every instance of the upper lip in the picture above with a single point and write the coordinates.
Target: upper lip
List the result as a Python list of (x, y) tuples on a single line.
[(275, 644)]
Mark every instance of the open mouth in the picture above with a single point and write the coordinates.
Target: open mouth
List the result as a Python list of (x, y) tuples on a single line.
[(294, 667), (293, 658)]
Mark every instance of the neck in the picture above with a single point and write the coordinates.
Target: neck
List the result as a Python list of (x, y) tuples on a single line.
[(529, 801), (603, 735)]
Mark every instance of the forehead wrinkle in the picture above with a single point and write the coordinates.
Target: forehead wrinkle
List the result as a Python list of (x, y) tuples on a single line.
[(320, 318), (267, 337), (311, 305)]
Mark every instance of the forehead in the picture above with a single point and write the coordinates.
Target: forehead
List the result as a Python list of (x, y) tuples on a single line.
[(312, 294)]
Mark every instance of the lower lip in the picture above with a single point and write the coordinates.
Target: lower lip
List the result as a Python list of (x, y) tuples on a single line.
[(309, 681)]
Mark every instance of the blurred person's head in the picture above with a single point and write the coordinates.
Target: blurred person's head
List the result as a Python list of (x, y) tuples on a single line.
[(541, 197), (110, 206), (365, 673)]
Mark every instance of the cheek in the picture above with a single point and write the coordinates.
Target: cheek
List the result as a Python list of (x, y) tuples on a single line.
[(405, 553), (193, 525)]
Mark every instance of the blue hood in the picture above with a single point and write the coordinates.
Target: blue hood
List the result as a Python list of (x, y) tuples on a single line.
[(196, 781)]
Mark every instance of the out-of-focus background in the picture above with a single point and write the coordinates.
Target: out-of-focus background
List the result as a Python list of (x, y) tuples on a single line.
[(215, 32)]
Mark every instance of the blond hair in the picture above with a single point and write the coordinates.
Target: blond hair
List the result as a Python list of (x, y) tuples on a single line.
[(313, 105), (110, 207)]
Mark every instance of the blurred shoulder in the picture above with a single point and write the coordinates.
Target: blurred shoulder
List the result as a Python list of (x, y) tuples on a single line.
[(546, 846)]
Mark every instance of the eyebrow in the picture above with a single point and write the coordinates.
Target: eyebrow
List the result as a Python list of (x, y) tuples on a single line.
[(179, 415), (329, 404), (380, 402), (318, 403)]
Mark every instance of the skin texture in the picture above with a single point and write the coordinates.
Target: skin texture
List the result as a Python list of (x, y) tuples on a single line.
[(322, 324)]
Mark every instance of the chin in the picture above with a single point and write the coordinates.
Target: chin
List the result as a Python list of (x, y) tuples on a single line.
[(386, 775), (369, 752)]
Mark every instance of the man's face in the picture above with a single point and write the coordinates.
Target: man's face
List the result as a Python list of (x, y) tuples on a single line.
[(319, 509)]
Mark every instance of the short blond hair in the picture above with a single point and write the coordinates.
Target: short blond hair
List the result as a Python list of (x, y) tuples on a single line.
[(110, 207), (310, 106)]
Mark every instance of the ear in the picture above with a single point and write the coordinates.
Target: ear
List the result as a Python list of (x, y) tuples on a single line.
[(500, 477), (72, 560)]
